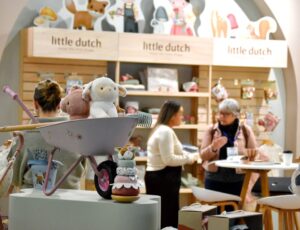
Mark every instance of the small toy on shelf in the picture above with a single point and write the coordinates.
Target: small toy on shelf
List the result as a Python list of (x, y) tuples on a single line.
[(132, 107), (270, 91), (219, 92), (247, 89), (126, 187), (190, 86), (103, 92)]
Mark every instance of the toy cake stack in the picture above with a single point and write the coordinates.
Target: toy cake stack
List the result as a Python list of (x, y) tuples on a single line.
[(126, 185)]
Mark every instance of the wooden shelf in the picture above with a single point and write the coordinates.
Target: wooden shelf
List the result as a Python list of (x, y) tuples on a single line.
[(166, 94), (188, 126)]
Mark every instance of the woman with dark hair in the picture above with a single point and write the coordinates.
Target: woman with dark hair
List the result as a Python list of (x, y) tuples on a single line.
[(47, 97), (165, 160)]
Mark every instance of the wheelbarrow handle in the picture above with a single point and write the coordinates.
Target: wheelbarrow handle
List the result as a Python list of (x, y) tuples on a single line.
[(10, 92), (14, 95), (11, 161), (21, 142), (24, 127)]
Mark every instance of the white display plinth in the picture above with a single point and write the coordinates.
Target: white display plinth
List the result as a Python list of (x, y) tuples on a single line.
[(82, 210)]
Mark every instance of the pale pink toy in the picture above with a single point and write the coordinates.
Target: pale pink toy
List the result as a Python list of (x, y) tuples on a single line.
[(179, 26), (74, 105)]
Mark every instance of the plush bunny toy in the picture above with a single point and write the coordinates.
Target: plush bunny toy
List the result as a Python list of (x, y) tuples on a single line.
[(103, 92)]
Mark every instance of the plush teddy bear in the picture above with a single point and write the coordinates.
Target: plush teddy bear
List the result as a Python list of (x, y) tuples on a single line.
[(103, 92), (74, 105)]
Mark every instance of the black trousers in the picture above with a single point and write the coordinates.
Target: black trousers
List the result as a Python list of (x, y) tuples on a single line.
[(166, 184)]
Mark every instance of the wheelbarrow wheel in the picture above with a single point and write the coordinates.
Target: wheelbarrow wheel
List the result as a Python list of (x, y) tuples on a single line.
[(103, 183)]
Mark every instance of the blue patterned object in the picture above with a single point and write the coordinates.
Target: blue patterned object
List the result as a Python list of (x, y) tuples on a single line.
[(144, 119)]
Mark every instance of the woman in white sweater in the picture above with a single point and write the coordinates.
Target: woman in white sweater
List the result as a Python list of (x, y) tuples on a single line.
[(165, 160)]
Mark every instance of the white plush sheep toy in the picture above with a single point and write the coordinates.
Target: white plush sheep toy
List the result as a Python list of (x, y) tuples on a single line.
[(103, 92)]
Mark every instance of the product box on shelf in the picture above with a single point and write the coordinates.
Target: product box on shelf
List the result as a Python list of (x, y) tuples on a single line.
[(236, 220), (192, 217)]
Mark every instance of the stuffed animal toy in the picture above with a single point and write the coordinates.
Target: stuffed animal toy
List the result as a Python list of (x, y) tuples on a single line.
[(103, 92), (87, 18), (74, 105), (219, 92)]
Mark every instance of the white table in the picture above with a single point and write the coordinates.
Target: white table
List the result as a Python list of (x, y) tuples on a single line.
[(78, 209), (255, 167)]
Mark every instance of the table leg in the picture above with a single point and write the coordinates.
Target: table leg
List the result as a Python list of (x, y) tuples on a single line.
[(265, 191), (280, 219), (245, 187), (296, 221), (264, 183), (285, 217)]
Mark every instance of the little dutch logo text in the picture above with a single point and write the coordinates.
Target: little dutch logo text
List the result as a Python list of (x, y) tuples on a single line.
[(80, 42)]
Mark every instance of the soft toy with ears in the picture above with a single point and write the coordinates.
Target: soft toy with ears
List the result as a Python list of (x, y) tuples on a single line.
[(103, 92), (74, 105)]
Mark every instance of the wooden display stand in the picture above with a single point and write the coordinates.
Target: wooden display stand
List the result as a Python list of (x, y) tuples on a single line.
[(76, 209), (62, 52)]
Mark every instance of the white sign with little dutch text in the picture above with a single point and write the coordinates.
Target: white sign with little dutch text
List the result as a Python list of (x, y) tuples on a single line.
[(73, 44), (251, 53)]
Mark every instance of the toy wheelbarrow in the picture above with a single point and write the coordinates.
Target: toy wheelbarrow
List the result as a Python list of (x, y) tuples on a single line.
[(89, 138)]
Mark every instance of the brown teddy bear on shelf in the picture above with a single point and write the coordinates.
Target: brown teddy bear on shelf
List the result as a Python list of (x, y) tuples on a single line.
[(74, 105)]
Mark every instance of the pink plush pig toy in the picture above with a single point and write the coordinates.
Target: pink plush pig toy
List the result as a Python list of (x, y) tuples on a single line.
[(74, 105)]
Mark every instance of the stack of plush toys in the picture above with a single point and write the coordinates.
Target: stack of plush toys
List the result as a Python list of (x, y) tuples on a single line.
[(96, 100), (126, 185)]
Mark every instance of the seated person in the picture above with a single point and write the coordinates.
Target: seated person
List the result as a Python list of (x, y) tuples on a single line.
[(47, 97), (228, 132)]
